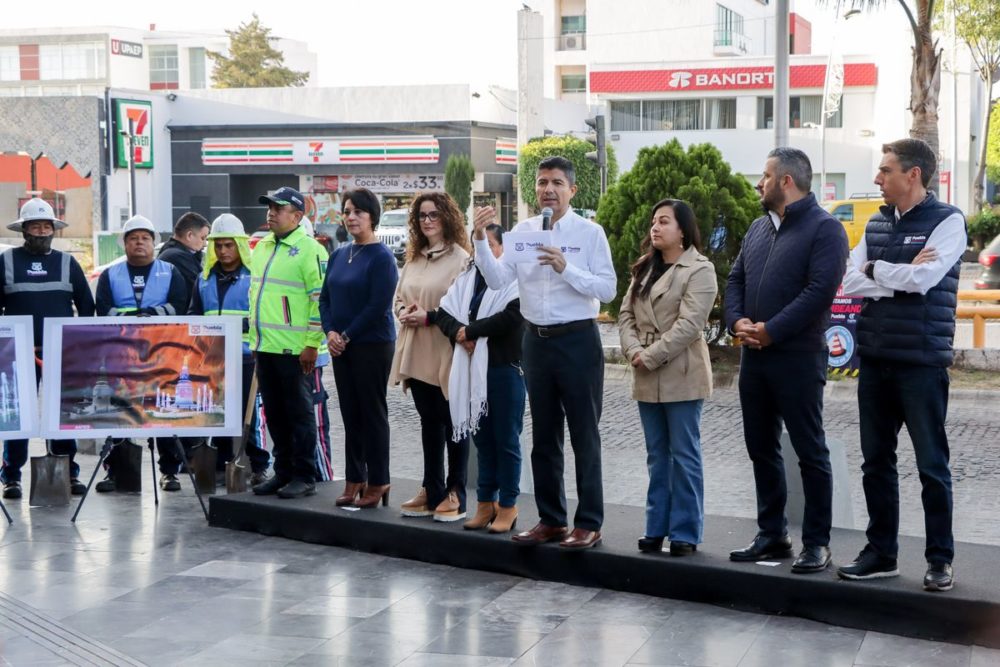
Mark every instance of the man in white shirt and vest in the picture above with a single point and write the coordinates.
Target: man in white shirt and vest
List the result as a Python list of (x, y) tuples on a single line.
[(907, 267), (562, 354)]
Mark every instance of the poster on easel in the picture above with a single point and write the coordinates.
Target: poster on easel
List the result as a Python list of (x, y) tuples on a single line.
[(18, 394), (142, 377)]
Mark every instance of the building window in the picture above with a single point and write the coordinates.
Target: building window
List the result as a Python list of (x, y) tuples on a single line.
[(765, 113), (196, 56), (10, 63), (806, 111), (573, 25), (728, 26), (67, 62), (625, 116), (720, 114), (574, 83), (660, 115), (163, 67)]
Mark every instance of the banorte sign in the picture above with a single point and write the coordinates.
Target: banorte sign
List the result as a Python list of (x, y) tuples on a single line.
[(723, 78)]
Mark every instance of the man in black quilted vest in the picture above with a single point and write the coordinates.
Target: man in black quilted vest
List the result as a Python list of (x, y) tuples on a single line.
[(907, 268), (778, 302)]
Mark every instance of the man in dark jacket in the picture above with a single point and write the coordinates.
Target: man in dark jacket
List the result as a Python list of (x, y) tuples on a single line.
[(907, 267), (778, 304), (185, 248)]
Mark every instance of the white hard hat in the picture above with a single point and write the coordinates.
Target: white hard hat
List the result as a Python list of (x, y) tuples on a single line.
[(227, 226), (36, 209), (136, 222)]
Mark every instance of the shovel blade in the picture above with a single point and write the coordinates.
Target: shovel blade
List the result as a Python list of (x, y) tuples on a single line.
[(49, 481), (203, 459), (237, 477)]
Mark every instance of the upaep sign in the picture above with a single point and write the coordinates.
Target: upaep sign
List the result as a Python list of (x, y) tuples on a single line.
[(119, 47)]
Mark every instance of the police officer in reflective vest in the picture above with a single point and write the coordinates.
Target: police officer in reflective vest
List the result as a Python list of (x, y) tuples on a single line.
[(142, 286), (39, 281), (223, 288), (287, 270)]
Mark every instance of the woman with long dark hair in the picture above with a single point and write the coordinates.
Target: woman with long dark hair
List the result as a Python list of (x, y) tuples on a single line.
[(661, 322), (438, 251)]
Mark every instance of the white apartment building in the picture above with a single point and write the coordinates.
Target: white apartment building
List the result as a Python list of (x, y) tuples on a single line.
[(702, 71), (86, 61)]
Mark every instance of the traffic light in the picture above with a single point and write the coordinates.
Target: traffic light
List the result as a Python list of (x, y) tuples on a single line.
[(600, 156)]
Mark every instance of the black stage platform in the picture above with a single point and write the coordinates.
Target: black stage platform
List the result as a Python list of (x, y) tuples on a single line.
[(969, 614)]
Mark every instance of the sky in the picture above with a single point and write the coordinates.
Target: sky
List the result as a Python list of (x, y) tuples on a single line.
[(358, 42)]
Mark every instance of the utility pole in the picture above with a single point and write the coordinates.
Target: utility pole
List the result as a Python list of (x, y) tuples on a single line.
[(781, 46)]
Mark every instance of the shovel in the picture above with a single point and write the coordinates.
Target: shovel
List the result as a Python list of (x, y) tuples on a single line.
[(237, 470), (203, 459), (49, 479)]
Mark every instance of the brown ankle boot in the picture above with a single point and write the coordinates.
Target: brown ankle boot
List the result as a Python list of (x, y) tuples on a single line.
[(372, 496), (505, 520), (351, 491), (485, 512)]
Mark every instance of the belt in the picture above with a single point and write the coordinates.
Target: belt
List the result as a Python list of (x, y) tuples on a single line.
[(554, 330)]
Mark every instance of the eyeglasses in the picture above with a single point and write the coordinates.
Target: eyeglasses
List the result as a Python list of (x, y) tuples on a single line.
[(433, 216)]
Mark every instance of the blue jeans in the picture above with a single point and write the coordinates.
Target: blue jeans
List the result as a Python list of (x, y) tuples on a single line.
[(675, 505), (498, 440), (890, 395)]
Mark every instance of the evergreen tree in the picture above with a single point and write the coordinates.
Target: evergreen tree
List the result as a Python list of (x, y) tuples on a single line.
[(252, 62), (723, 202), (458, 176)]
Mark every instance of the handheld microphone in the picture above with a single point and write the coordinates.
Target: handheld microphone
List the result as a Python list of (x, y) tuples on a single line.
[(546, 218)]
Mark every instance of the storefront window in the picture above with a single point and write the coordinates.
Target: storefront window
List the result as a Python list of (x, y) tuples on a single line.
[(659, 115), (625, 116), (720, 114)]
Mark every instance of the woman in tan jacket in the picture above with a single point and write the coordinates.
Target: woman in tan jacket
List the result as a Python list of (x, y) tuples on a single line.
[(437, 253), (661, 322)]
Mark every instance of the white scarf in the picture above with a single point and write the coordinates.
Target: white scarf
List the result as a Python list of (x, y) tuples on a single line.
[(467, 381)]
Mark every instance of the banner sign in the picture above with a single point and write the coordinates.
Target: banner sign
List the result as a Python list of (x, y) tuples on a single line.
[(724, 78), (18, 391), (841, 335), (148, 377), (506, 151), (141, 113), (320, 150), (395, 183)]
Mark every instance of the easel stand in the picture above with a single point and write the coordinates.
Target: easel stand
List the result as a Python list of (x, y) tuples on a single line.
[(10, 521), (110, 444)]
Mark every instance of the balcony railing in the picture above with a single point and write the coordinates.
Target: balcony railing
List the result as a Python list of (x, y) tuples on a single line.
[(729, 43)]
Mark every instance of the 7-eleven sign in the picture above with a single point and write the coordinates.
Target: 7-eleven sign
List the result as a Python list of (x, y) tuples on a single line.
[(140, 112)]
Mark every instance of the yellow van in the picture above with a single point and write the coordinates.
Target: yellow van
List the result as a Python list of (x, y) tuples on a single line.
[(854, 214)]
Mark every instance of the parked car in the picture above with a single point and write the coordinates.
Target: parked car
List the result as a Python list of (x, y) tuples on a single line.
[(393, 231), (990, 259), (257, 236), (854, 214)]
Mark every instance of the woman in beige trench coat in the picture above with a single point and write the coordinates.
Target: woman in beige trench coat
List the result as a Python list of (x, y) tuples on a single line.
[(661, 322)]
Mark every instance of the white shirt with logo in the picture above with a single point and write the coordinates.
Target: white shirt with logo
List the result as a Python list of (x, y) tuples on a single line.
[(549, 298)]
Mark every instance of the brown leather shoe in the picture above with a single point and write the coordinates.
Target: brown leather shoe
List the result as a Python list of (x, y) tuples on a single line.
[(485, 513), (540, 534), (372, 495), (581, 539), (417, 505), (505, 521), (351, 491)]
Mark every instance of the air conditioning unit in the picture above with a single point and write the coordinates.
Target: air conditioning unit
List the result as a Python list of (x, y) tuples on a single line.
[(573, 42)]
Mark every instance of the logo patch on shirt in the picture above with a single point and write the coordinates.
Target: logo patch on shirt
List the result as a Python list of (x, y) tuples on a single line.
[(915, 239), (293, 251), (571, 250), (138, 281), (37, 270)]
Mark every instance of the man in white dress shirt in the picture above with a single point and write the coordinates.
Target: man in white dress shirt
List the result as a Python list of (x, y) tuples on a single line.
[(562, 353), (907, 268)]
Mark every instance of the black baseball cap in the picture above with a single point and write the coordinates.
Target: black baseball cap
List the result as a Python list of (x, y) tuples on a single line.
[(284, 197)]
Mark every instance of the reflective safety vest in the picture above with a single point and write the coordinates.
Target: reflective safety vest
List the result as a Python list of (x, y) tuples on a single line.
[(155, 293), (286, 281), (61, 284), (235, 302)]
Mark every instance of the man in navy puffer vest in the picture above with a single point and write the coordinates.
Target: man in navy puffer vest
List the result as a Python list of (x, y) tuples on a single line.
[(907, 267), (778, 304)]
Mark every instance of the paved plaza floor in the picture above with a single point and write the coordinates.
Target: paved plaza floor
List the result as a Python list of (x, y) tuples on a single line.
[(133, 584)]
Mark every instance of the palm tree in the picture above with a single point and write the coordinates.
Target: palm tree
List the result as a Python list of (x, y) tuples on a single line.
[(925, 77)]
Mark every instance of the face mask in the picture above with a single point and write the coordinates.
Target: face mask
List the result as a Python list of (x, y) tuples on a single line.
[(37, 245)]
